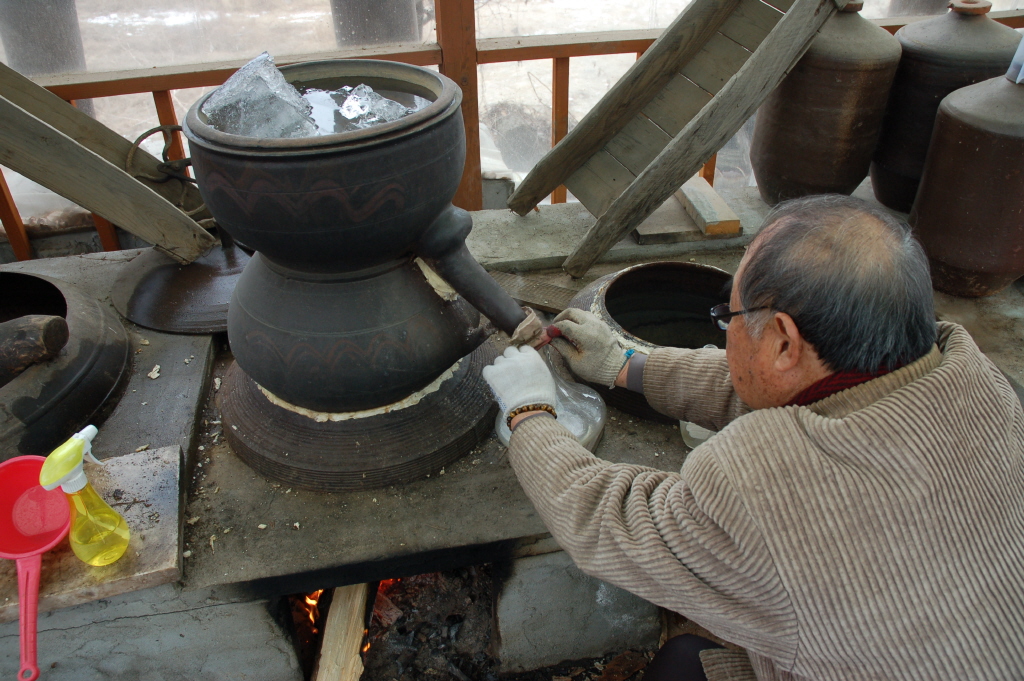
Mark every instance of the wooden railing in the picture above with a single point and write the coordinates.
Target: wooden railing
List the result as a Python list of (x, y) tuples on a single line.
[(457, 52)]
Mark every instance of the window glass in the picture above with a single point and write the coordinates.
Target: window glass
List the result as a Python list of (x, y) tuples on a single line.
[(54, 36)]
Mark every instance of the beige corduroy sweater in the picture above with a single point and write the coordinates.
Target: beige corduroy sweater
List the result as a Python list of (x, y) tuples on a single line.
[(876, 534)]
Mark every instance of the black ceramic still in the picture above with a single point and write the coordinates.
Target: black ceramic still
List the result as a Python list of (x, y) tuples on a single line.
[(356, 326), (332, 315)]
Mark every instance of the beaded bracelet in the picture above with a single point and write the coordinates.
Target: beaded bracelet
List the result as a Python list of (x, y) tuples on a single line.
[(529, 407)]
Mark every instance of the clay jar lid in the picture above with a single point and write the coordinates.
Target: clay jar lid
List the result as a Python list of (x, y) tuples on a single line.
[(970, 6)]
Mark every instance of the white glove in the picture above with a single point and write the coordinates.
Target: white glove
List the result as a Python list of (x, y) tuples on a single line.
[(589, 346), (520, 377)]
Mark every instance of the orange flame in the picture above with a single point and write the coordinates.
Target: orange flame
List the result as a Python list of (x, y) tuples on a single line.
[(312, 612)]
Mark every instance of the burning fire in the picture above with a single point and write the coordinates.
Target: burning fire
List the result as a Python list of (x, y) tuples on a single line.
[(311, 610)]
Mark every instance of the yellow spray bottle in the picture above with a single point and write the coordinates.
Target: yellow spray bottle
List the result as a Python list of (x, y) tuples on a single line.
[(99, 535)]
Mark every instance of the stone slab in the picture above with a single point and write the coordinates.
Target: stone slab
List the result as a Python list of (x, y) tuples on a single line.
[(159, 412), (474, 512), (144, 488), (161, 634), (548, 611)]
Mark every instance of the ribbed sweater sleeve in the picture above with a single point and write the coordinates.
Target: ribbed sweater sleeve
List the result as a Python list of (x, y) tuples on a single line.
[(683, 541), (692, 385)]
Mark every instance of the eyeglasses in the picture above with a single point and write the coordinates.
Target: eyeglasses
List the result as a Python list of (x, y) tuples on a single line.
[(721, 315)]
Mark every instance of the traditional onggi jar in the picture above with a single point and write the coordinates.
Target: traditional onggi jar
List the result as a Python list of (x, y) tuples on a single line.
[(969, 211), (816, 132), (939, 55)]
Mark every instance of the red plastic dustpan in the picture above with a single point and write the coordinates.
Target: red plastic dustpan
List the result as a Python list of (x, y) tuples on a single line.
[(32, 521)]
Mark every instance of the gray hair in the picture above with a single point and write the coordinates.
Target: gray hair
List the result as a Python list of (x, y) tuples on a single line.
[(852, 277)]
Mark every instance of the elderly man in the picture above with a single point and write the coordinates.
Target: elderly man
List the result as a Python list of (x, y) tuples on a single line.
[(859, 514)]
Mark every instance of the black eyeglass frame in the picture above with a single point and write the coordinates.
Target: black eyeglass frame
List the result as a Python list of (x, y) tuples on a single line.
[(721, 314)]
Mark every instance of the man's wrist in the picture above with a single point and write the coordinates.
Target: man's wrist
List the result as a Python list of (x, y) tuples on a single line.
[(631, 376), (519, 418)]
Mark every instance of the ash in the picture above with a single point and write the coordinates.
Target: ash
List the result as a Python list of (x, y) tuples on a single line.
[(439, 626), (436, 625)]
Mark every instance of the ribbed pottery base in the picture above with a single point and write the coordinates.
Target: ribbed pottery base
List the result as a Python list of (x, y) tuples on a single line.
[(360, 453)]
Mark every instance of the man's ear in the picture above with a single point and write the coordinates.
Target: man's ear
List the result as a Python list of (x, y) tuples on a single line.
[(790, 345)]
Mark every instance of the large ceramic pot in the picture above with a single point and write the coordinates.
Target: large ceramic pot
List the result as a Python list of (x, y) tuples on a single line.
[(815, 133), (652, 305), (301, 339), (971, 224), (343, 201), (940, 55)]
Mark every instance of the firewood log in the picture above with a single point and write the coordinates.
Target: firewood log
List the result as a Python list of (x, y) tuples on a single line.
[(29, 340)]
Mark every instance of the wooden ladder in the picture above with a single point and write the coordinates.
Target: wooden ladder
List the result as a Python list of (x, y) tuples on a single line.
[(675, 107)]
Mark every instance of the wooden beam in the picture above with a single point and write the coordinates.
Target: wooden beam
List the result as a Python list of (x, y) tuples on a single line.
[(167, 116), (51, 158), (559, 113), (210, 74), (456, 33), (343, 635), (680, 42), (564, 45), (706, 133), (709, 210), (11, 220)]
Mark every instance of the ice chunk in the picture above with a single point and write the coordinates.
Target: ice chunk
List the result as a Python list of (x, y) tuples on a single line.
[(364, 107), (257, 101)]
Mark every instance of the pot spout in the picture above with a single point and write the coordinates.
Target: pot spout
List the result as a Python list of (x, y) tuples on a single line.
[(443, 247)]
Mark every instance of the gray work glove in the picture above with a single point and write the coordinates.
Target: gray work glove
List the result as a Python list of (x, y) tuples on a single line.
[(519, 378), (589, 346)]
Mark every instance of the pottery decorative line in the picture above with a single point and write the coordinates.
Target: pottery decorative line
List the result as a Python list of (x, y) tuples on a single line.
[(347, 199)]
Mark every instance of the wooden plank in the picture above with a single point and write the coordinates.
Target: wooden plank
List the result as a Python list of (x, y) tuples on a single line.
[(706, 133), (536, 294), (456, 33), (59, 163), (559, 112), (709, 210), (716, 63), (668, 225), (599, 181), (750, 23), (638, 144), (89, 132), (343, 635), (13, 226), (644, 79), (676, 105), (209, 74), (564, 45), (148, 484)]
